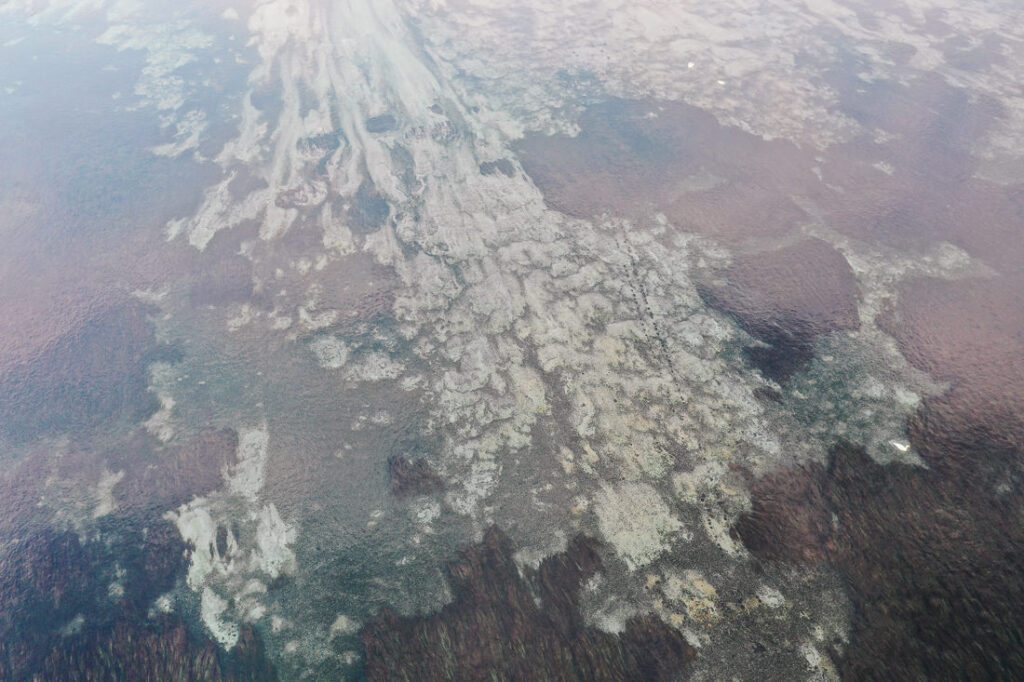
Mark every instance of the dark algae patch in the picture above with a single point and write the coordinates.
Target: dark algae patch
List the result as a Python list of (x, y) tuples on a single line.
[(61, 619), (369, 209), (932, 558), (503, 166), (160, 651), (495, 629), (381, 124), (785, 298), (94, 374), (632, 158), (157, 479), (411, 478)]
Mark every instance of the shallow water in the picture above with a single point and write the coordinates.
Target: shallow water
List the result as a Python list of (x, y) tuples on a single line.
[(460, 340)]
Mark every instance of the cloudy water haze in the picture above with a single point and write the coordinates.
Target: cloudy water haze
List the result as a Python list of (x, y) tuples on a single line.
[(522, 340)]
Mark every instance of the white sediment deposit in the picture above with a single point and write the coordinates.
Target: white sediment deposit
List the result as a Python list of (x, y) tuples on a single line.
[(636, 522), (572, 376), (237, 541)]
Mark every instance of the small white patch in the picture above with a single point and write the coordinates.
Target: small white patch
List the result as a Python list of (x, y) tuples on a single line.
[(273, 537), (186, 136), (211, 607), (280, 322), (636, 522), (150, 296), (163, 604), (695, 640), (885, 167), (105, 493), (160, 423), (198, 528), (532, 556), (770, 597), (331, 352), (375, 366), (246, 476), (900, 445), (313, 320), (245, 315), (811, 655), (72, 627), (612, 618), (343, 626), (427, 512)]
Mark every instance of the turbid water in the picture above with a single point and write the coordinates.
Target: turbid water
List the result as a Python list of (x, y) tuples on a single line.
[(390, 339)]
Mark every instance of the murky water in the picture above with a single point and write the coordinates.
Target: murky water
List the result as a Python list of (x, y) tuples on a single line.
[(470, 340)]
